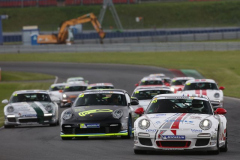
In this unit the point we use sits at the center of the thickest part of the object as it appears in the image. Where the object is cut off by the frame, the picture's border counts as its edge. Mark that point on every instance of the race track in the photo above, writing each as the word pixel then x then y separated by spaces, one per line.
pixel 44 142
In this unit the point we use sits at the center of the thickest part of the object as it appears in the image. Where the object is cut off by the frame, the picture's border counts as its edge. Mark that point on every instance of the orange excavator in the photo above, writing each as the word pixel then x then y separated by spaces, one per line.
pixel 63 34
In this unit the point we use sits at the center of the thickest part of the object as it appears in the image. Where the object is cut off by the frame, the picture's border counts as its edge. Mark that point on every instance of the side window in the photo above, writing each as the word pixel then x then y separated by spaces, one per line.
pixel 128 98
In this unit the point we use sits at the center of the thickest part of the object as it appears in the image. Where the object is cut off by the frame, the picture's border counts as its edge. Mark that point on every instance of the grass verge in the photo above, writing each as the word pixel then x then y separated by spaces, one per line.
pixel 24 76
pixel 222 66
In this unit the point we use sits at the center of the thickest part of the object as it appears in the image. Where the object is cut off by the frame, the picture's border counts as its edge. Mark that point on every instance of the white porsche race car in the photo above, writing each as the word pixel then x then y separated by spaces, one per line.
pixel 27 107
pixel 179 122
pixel 206 87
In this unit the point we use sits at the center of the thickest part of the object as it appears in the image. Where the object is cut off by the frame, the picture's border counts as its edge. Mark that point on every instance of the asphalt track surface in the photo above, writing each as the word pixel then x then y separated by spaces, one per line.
pixel 44 142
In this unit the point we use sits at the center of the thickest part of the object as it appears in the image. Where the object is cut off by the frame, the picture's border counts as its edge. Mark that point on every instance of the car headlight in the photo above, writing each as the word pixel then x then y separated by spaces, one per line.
pixel 144 124
pixel 48 108
pixel 172 89
pixel 205 124
pixel 216 95
pixel 64 96
pixel 117 113
pixel 10 109
pixel 67 115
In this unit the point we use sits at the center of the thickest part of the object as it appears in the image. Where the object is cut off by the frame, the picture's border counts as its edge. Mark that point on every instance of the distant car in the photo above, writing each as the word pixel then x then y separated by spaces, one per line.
pixel 98 113
pixel 56 90
pixel 157 75
pixel 206 87
pixel 71 91
pixel 100 86
pixel 72 79
pixel 150 81
pixel 179 122
pixel 27 107
pixel 177 83
pixel 166 81
pixel 145 94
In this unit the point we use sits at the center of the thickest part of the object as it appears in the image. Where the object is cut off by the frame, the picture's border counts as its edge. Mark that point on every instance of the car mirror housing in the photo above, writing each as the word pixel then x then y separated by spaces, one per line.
pixel 221 88
pixel 134 101
pixel 220 111
pixel 5 101
pixel 139 111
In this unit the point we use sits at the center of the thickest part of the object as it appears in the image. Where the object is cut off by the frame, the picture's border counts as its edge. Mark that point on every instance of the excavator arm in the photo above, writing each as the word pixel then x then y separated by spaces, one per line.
pixel 63 32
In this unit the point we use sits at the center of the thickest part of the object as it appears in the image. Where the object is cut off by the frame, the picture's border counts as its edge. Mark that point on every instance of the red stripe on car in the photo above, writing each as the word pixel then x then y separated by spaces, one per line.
pixel 177 121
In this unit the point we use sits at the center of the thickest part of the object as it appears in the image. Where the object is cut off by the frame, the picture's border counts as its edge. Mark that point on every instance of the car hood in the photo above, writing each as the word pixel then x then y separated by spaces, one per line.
pixel 95 112
pixel 208 92
pixel 176 120
pixel 26 108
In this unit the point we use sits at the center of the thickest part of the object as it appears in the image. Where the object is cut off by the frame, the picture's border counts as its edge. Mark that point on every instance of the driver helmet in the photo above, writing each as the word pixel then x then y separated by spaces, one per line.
pixel 197 105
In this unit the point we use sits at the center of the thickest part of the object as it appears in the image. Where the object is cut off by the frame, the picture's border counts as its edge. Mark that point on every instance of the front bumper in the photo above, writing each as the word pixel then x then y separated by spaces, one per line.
pixel 15 121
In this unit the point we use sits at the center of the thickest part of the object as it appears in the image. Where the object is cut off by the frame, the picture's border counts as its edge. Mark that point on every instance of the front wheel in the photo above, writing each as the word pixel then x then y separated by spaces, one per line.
pixel 225 147
pixel 129 135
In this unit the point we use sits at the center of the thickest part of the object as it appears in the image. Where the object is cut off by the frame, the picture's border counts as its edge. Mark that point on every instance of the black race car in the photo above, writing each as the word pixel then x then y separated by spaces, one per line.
pixel 99 113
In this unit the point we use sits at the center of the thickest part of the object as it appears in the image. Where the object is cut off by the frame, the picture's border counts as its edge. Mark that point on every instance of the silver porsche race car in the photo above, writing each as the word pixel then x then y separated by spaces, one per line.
pixel 180 122
pixel 30 107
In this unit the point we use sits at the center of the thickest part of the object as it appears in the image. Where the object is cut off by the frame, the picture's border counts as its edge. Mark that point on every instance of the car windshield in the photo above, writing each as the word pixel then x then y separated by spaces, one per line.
pixel 179 106
pixel 74 88
pixel 101 87
pixel 148 94
pixel 100 99
pixel 178 82
pixel 30 97
pixel 200 86
pixel 56 88
pixel 153 82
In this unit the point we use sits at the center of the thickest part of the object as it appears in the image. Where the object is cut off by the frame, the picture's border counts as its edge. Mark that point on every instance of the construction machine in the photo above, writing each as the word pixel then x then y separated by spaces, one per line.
pixel 64 34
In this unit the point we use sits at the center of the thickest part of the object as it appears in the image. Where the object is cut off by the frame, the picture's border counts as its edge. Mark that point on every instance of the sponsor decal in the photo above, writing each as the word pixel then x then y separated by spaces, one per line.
pixel 89 125
pixel 29 115
pixel 151 130
pixel 196 130
pixel 173 137
pixel 158 122
pixel 179 121
pixel 195 117
pixel 163 114
pixel 81 95
pixel 84 113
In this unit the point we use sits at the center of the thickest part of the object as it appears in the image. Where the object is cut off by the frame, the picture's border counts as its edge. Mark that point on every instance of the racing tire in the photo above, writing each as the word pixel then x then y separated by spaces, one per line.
pixel 218 149
pixel 129 135
pixel 54 124
pixel 225 147
pixel 9 126
pixel 66 138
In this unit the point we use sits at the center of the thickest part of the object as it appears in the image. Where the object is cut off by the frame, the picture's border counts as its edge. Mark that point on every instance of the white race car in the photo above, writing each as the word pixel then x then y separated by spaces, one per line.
pixel 150 81
pixel 206 87
pixel 100 86
pixel 144 94
pixel 177 83
pixel 179 122
pixel 27 107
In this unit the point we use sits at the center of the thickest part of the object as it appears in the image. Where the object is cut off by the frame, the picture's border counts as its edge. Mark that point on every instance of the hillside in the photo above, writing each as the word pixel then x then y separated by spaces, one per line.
pixel 155 15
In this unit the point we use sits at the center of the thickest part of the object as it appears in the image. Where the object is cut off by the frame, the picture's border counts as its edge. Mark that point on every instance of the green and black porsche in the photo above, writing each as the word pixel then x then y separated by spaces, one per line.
pixel 27 107
pixel 99 113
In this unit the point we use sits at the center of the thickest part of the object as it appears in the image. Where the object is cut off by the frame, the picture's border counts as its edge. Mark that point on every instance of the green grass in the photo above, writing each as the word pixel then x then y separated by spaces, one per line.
pixel 7 87
pixel 24 76
pixel 159 15
pixel 220 66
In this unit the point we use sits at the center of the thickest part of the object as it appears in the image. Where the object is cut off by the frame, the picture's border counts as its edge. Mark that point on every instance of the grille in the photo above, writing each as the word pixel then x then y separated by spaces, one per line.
pixel 11 119
pixel 173 144
pixel 114 129
pixel 67 130
pixel 202 142
pixel 28 120
pixel 145 141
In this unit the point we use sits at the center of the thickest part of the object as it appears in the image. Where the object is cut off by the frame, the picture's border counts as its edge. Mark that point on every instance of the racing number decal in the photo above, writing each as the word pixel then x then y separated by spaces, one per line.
pixel 84 113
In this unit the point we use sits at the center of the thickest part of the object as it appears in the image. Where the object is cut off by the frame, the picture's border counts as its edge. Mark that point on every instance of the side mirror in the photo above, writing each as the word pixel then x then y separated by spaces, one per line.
pixel 67 105
pixel 167 84
pixel 221 88
pixel 5 101
pixel 136 84
pixel 139 111
pixel 220 111
pixel 179 89
pixel 134 101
